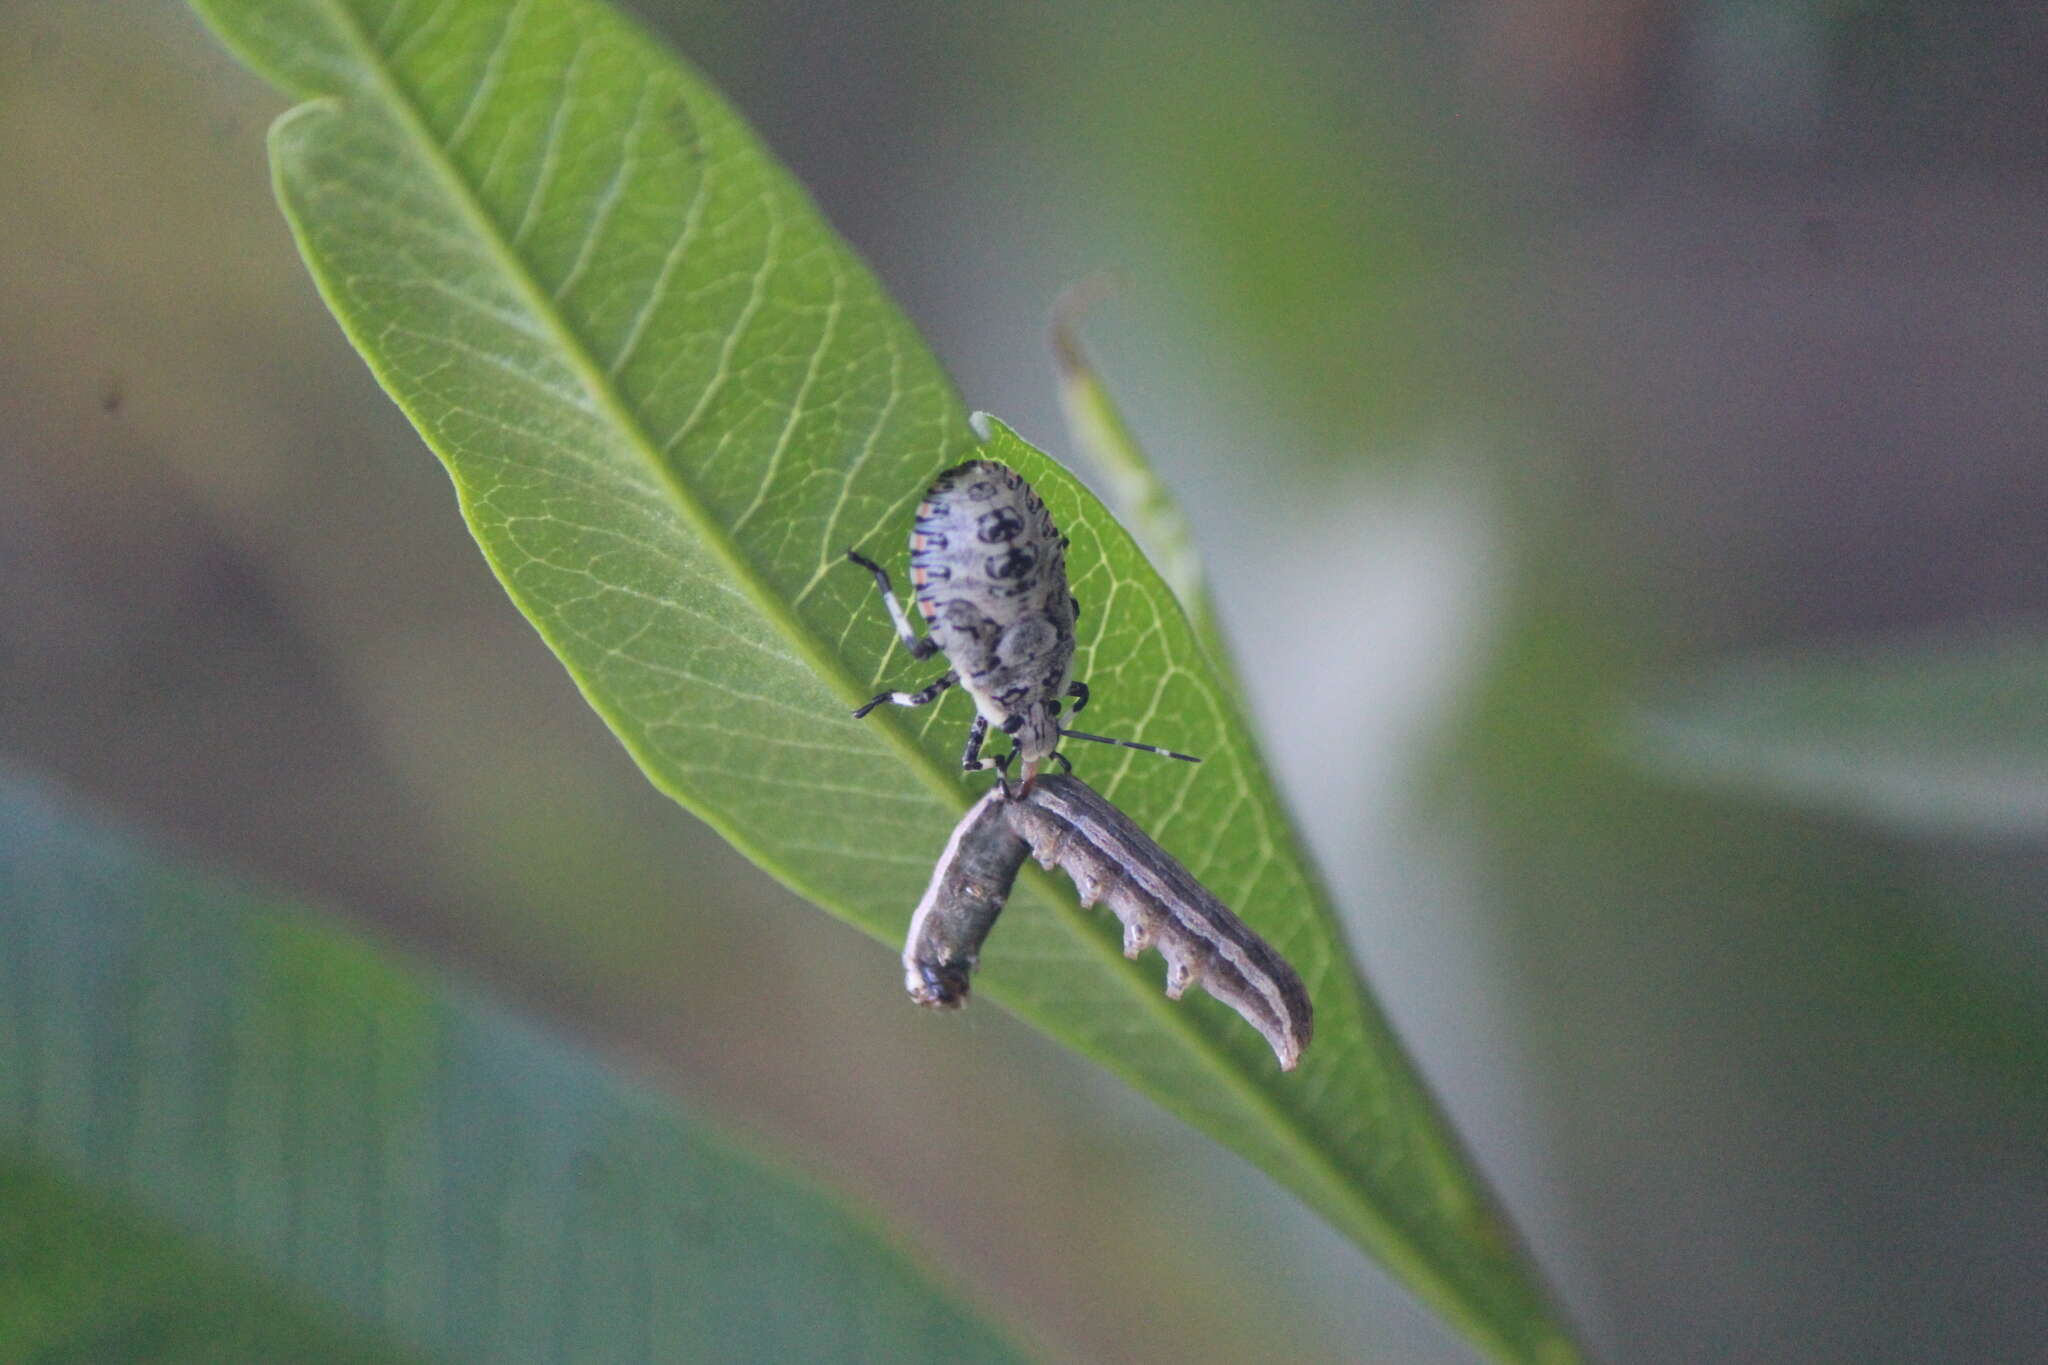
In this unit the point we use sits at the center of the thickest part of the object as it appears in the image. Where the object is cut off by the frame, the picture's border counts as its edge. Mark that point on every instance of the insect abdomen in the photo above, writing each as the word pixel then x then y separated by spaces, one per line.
pixel 982 534
pixel 985 559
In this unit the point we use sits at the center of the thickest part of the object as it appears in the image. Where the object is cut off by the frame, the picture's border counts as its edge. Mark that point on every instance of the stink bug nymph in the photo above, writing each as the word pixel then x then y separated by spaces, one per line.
pixel 988 572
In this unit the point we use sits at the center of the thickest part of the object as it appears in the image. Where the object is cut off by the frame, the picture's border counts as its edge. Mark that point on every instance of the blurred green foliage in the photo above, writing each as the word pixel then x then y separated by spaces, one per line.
pixel 1759 1076
pixel 1948 735
pixel 84 1277
pixel 1289 160
pixel 231 1129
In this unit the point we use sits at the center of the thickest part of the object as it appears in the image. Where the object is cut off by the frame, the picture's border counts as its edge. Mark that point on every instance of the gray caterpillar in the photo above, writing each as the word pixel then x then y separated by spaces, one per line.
pixel 1067 824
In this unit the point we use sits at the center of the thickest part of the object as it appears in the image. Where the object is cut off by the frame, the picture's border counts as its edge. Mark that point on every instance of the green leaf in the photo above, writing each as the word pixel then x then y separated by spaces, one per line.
pixel 670 400
pixel 88 1278
pixel 229 1132
pixel 1946 735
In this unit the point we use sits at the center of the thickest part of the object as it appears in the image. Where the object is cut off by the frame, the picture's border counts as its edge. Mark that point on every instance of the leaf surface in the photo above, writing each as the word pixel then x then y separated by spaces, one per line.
pixel 670 400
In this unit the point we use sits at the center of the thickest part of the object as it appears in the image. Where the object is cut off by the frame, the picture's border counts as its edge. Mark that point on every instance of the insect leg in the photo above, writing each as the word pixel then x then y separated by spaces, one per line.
pixel 920 646
pixel 1079 692
pixel 928 693
pixel 970 758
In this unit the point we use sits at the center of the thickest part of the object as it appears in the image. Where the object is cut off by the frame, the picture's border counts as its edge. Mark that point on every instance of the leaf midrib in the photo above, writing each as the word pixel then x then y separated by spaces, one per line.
pixel 1421 1267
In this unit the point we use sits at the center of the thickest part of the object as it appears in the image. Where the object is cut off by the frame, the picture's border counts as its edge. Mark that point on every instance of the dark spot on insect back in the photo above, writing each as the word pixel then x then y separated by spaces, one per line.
pixel 981 490
pixel 1013 563
pixel 965 617
pixel 999 526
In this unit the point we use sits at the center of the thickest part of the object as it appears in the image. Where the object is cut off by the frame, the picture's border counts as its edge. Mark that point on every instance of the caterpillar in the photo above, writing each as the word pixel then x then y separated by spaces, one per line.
pixel 1066 824
pixel 969 886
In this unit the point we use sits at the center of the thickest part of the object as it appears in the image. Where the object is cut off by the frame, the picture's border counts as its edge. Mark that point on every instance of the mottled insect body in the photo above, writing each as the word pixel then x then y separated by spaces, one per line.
pixel 1065 823
pixel 988 573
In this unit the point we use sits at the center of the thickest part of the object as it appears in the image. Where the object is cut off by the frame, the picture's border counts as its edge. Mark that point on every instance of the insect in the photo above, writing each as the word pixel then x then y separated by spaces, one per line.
pixel 1065 823
pixel 988 572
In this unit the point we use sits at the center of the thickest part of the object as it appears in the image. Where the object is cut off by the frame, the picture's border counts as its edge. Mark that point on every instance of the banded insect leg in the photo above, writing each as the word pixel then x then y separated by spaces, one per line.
pixel 920 646
pixel 973 760
pixel 1001 763
pixel 970 757
pixel 924 695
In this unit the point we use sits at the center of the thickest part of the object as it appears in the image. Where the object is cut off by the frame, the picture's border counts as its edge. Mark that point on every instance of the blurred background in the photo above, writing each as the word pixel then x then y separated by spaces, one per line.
pixel 1515 364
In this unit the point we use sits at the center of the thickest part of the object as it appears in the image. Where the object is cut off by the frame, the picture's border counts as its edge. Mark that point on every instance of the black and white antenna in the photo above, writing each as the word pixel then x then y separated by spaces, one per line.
pixel 1128 744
